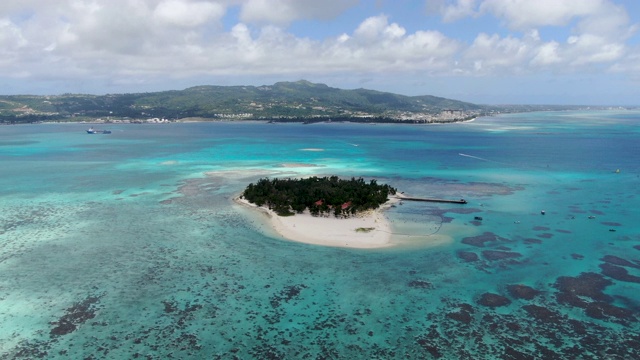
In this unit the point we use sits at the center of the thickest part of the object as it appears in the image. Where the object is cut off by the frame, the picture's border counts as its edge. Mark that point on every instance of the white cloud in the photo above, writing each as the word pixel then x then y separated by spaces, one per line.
pixel 282 12
pixel 527 14
pixel 496 53
pixel 588 49
pixel 461 9
pixel 10 35
pixel 599 29
pixel 546 54
pixel 144 40
pixel 11 42
pixel 378 27
pixel 188 14
pixel 377 45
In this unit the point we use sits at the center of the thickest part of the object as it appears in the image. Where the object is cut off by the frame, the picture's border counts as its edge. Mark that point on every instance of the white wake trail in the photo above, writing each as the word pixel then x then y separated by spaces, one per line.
pixel 488 160
pixel 475 157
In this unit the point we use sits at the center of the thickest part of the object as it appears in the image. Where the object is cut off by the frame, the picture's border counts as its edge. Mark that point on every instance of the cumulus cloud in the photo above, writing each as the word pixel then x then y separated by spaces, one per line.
pixel 188 14
pixel 378 27
pixel 132 41
pixel 378 45
pixel 599 29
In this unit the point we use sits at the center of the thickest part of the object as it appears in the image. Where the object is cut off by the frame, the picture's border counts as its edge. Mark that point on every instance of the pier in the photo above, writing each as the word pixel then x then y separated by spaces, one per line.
pixel 461 201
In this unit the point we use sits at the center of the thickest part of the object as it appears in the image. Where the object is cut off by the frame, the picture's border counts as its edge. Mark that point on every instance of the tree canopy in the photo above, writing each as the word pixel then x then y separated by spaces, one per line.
pixel 319 195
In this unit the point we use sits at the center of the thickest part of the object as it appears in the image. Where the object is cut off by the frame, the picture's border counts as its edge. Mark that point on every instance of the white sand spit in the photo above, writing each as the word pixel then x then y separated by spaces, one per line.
pixel 364 231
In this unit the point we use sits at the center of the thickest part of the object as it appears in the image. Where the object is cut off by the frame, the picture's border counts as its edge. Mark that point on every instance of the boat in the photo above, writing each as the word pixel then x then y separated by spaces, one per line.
pixel 96 131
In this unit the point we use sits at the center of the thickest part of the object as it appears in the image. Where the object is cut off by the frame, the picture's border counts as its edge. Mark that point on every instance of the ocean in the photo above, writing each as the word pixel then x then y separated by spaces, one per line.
pixel 128 245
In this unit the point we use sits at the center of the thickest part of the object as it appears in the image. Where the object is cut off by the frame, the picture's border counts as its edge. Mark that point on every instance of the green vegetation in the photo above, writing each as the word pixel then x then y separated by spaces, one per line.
pixel 319 195
pixel 283 101
pixel 300 101
pixel 365 230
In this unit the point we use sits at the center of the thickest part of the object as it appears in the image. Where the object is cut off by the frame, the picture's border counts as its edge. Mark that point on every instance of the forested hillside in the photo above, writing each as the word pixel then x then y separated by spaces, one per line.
pixel 301 100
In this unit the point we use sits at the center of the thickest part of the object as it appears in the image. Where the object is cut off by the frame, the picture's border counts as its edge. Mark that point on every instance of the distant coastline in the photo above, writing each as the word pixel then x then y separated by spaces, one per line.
pixel 302 120
pixel 297 102
pixel 305 121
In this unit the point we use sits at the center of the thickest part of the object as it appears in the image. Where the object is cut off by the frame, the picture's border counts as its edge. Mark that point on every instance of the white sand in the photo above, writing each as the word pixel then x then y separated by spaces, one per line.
pixel 330 231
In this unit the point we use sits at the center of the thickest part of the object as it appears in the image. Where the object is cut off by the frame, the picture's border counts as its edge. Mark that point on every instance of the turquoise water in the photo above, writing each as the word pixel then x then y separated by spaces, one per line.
pixel 128 246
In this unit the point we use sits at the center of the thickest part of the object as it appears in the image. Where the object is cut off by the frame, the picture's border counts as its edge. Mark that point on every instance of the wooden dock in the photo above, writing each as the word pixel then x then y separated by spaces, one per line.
pixel 461 201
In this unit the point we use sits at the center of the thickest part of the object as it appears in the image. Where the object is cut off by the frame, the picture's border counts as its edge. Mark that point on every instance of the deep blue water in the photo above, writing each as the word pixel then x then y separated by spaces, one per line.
pixel 128 245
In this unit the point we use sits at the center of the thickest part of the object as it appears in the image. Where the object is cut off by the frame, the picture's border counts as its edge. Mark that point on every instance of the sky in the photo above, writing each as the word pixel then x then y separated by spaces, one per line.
pixel 579 52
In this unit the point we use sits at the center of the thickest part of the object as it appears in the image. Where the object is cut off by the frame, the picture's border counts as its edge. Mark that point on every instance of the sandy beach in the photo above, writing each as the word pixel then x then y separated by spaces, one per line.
pixel 365 231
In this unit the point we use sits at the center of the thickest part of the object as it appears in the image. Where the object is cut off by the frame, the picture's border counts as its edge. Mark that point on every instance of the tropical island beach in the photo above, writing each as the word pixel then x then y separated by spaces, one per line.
pixel 324 211
pixel 368 230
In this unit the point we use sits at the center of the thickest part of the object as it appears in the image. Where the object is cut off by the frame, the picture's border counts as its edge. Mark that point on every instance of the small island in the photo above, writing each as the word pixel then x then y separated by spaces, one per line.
pixel 320 196
pixel 324 211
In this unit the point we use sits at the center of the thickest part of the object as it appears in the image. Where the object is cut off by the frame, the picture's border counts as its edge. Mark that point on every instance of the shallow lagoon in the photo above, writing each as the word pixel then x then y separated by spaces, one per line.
pixel 121 245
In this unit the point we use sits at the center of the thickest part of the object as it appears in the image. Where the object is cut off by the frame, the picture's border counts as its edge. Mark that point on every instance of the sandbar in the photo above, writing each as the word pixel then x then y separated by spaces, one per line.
pixel 367 230
pixel 296 165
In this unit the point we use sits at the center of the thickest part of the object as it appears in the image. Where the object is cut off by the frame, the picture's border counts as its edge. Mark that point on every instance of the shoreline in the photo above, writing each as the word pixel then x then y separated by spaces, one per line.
pixel 191 120
pixel 375 229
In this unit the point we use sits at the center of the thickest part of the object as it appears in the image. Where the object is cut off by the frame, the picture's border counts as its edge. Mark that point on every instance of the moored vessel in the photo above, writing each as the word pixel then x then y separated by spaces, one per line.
pixel 96 131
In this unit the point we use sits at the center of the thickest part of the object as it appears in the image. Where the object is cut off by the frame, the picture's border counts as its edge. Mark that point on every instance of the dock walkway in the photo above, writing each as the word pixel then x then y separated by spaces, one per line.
pixel 408 198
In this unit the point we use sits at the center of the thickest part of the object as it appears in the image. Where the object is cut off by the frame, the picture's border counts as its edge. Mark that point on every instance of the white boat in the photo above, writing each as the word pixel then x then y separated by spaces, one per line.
pixel 96 131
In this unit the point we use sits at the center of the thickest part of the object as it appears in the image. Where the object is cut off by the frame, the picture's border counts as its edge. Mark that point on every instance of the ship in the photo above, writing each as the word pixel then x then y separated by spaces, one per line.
pixel 96 131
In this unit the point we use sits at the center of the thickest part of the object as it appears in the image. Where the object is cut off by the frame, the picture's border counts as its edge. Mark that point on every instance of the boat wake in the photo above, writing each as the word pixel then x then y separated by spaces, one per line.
pixel 475 157
pixel 488 160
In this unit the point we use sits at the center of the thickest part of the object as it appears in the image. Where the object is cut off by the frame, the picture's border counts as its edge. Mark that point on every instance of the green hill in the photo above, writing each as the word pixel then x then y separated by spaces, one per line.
pixel 282 101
